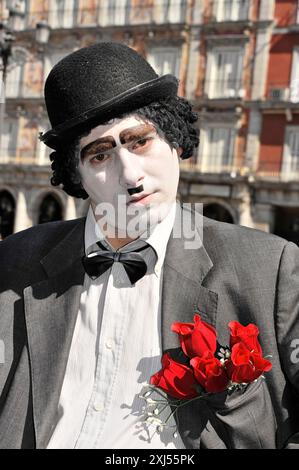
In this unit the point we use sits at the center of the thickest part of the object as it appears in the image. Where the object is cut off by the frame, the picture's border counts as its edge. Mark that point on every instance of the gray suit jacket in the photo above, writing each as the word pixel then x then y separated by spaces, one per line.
pixel 238 274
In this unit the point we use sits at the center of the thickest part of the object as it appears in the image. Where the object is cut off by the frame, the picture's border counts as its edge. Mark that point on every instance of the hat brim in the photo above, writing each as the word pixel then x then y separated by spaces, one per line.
pixel 130 100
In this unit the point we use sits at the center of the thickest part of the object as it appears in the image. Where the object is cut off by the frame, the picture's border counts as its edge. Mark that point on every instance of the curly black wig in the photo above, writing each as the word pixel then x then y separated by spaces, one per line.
pixel 173 117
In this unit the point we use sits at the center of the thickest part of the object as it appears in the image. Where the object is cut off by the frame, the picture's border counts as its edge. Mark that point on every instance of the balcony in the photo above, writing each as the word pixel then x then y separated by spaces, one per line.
pixel 282 92
pixel 227 14
pixel 113 13
pixel 226 170
pixel 21 89
pixel 16 158
pixel 285 171
pixel 223 89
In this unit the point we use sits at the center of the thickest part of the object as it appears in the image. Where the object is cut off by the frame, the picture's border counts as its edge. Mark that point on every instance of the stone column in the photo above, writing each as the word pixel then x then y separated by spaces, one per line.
pixel 253 139
pixel 245 217
pixel 193 63
pixel 22 220
pixel 70 210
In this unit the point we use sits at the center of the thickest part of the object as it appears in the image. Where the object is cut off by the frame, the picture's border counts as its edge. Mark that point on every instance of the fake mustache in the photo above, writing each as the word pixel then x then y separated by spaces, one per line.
pixel 135 190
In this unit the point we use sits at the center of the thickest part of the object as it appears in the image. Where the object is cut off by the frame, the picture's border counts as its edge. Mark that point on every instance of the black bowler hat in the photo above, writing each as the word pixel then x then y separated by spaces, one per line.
pixel 96 83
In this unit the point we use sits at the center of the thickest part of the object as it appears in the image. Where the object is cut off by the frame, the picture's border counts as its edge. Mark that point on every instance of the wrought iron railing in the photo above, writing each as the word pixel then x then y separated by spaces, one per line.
pixel 224 88
pixel 111 14
pixel 267 171
pixel 227 10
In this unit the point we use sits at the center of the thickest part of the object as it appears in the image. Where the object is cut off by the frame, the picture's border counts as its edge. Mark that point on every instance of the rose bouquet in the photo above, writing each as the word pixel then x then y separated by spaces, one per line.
pixel 203 373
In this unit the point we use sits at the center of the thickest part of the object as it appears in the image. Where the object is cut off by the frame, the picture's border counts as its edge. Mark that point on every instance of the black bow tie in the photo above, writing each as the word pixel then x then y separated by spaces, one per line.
pixel 100 262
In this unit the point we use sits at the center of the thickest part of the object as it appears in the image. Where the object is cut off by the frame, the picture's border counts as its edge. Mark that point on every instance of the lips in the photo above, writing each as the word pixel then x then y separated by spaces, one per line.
pixel 139 198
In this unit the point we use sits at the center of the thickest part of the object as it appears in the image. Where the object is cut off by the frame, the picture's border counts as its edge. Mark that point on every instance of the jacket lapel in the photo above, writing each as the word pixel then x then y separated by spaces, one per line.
pixel 51 308
pixel 183 293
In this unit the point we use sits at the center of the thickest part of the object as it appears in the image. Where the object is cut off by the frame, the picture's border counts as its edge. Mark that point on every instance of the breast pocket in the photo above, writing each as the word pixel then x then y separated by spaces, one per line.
pixel 242 420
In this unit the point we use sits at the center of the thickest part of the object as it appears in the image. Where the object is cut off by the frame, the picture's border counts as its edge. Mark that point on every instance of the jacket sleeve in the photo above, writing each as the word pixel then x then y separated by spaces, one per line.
pixel 287 319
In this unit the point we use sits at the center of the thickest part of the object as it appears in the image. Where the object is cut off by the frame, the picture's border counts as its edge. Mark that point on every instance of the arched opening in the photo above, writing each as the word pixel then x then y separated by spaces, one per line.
pixel 287 223
pixel 50 210
pixel 217 212
pixel 7 214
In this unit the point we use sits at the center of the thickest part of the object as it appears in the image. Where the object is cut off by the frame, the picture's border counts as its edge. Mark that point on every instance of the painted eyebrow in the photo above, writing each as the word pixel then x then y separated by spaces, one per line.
pixel 104 144
pixel 100 145
pixel 128 135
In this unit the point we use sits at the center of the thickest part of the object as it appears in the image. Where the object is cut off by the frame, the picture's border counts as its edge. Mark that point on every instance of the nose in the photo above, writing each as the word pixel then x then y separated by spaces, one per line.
pixel 130 171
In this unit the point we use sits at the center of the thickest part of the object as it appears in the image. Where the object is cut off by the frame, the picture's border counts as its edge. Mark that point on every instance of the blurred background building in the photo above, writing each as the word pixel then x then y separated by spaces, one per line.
pixel 238 63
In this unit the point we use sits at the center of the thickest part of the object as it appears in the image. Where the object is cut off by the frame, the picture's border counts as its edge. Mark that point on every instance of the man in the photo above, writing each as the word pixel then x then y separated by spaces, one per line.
pixel 87 305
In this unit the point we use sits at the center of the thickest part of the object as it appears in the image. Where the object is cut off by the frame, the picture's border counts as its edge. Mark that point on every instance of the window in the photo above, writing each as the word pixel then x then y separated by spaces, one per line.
pixel 294 85
pixel 14 80
pixel 290 163
pixel 62 13
pixel 9 140
pixel 114 12
pixel 33 79
pixel 27 142
pixel 36 11
pixel 165 60
pixel 217 148
pixel 169 11
pixel 231 10
pixel 17 20
pixel 224 73
pixel 87 12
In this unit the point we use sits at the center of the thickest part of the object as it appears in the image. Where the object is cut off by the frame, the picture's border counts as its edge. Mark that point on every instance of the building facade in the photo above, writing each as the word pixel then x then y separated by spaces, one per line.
pixel 237 61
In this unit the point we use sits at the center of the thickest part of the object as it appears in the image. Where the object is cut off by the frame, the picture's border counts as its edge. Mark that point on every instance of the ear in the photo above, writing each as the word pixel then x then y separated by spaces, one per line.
pixel 179 151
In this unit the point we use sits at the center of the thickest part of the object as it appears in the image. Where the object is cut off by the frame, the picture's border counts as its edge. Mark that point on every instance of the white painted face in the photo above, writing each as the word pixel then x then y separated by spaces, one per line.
pixel 124 154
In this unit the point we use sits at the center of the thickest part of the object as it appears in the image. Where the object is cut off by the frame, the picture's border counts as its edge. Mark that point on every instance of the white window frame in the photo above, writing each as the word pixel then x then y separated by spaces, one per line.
pixel 157 57
pixel 209 159
pixel 235 7
pixel 290 163
pixel 294 85
pixel 215 86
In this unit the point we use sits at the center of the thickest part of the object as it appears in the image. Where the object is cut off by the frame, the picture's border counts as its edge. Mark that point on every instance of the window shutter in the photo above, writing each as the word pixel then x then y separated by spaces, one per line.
pixel 291 152
pixel 217 148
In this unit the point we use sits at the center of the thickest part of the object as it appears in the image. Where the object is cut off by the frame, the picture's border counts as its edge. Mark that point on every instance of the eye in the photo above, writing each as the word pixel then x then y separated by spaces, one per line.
pixel 144 142
pixel 100 157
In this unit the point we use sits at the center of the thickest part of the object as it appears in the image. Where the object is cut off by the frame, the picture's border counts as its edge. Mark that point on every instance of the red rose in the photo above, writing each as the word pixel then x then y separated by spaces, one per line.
pixel 175 379
pixel 196 338
pixel 210 373
pixel 245 366
pixel 246 335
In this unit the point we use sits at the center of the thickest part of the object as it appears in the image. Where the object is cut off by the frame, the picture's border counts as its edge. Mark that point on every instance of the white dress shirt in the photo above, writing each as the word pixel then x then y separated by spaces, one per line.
pixel 115 349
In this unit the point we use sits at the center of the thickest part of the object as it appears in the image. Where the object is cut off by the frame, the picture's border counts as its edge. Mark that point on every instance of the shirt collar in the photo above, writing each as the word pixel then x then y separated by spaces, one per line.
pixel 158 238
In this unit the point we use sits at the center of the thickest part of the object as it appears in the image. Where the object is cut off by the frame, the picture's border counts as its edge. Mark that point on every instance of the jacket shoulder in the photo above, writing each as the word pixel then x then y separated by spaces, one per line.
pixel 22 249
pixel 241 234
pixel 243 247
